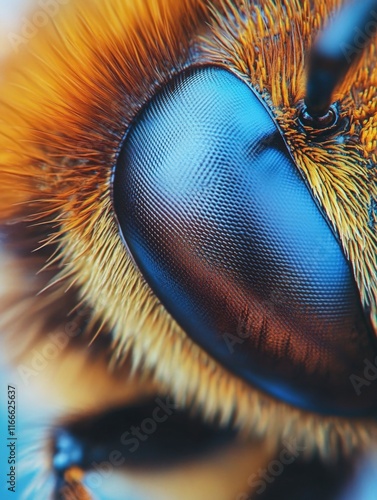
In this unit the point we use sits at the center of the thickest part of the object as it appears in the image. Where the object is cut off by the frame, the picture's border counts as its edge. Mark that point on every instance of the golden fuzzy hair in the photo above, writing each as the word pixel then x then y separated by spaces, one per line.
pixel 66 101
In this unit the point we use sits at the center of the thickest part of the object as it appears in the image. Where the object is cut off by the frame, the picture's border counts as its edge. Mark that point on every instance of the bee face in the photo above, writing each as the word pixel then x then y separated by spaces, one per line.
pixel 182 200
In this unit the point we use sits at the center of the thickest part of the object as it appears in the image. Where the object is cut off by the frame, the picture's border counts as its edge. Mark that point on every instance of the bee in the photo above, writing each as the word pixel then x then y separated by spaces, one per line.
pixel 189 220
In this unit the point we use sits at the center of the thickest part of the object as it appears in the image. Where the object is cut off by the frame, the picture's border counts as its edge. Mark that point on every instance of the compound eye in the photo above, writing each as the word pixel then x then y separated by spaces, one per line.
pixel 223 228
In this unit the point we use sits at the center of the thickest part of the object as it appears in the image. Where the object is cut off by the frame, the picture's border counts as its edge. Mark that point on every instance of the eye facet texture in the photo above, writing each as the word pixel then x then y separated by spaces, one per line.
pixel 222 226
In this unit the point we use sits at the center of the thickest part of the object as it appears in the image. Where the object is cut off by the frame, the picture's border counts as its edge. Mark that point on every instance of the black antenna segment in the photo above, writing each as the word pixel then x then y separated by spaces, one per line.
pixel 337 48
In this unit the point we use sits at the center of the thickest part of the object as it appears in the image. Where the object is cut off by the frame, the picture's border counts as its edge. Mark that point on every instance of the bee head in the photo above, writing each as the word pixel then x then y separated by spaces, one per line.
pixel 216 217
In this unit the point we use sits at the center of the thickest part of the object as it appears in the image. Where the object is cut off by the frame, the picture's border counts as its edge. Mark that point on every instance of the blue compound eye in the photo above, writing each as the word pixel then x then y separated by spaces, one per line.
pixel 225 231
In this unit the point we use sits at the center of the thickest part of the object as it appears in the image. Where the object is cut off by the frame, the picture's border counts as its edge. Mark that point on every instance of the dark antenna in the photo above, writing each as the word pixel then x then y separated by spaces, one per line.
pixel 338 47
